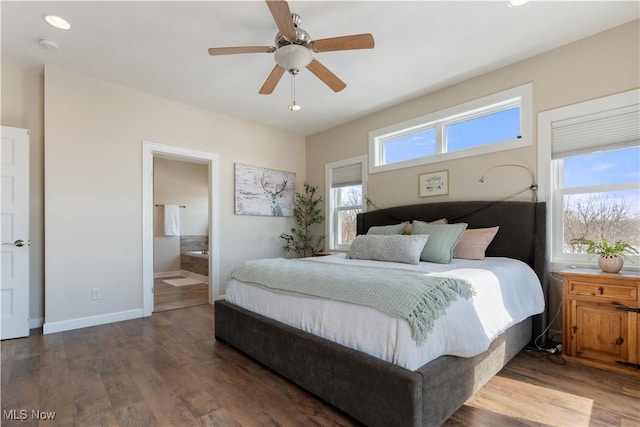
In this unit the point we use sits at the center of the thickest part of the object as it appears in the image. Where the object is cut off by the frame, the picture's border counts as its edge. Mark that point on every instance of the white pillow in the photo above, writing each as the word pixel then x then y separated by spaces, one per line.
pixel 393 248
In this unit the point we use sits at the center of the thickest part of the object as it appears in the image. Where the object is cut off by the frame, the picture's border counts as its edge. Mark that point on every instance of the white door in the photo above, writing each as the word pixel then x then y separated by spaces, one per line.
pixel 14 269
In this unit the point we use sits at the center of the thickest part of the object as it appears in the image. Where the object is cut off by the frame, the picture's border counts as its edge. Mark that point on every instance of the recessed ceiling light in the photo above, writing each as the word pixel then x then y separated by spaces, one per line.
pixel 49 44
pixel 56 21
pixel 516 3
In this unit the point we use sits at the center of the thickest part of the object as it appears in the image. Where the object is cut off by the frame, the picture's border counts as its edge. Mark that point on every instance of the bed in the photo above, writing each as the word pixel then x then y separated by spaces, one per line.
pixel 377 392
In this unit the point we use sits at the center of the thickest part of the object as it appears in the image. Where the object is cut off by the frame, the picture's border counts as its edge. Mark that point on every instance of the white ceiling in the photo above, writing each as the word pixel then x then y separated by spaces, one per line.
pixel 160 47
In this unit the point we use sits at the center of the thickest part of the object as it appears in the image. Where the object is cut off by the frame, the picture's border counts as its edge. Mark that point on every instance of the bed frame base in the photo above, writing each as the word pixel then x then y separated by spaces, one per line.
pixel 370 390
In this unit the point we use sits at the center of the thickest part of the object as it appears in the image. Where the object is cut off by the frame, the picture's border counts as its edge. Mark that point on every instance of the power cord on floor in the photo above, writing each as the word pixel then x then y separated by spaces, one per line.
pixel 554 354
pixel 550 349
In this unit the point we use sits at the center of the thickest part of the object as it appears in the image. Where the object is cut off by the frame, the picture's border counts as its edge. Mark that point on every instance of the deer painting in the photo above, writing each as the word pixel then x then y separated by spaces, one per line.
pixel 276 210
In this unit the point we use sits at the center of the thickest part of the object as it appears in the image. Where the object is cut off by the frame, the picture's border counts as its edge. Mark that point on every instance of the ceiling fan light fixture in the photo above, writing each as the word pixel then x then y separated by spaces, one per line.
pixel 293 106
pixel 293 57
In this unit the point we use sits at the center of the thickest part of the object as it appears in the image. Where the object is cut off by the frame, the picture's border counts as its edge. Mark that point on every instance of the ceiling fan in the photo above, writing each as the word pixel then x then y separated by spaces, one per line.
pixel 294 49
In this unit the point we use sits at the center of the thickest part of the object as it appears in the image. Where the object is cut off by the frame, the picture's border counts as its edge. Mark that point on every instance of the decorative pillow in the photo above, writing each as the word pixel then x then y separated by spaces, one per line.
pixel 393 248
pixel 442 240
pixel 439 221
pixel 473 243
pixel 387 230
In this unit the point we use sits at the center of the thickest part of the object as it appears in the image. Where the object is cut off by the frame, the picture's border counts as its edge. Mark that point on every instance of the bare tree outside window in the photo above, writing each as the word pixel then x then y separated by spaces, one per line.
pixel 349 206
pixel 600 216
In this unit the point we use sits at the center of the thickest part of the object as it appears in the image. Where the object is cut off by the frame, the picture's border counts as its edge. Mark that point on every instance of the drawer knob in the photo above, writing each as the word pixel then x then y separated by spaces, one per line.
pixel 619 341
pixel 601 289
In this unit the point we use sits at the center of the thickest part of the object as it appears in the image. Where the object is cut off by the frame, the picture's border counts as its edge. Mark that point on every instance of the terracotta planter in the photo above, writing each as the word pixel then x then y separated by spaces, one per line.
pixel 610 263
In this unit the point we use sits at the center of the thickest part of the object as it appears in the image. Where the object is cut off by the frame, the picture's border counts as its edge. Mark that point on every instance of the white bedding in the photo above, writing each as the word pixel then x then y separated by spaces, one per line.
pixel 507 292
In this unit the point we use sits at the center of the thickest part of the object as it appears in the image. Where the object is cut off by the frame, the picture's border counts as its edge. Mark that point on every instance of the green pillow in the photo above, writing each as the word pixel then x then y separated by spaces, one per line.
pixel 388 230
pixel 442 239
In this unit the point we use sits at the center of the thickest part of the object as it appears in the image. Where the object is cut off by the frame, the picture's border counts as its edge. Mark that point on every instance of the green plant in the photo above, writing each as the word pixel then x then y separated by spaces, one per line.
pixel 603 247
pixel 306 213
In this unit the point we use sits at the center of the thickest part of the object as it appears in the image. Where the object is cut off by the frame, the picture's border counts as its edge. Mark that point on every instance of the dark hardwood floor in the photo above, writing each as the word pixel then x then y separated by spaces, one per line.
pixel 168 370
pixel 167 297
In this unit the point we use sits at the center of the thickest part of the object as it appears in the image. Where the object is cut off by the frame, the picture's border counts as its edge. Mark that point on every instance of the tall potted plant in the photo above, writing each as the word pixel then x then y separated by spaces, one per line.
pixel 611 257
pixel 306 212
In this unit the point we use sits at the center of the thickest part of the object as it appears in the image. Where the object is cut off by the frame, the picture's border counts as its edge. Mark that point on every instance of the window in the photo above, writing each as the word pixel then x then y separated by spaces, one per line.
pixel 497 122
pixel 594 157
pixel 346 193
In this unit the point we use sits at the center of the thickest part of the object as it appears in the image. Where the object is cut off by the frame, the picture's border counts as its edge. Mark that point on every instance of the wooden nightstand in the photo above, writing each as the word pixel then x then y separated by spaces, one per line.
pixel 601 324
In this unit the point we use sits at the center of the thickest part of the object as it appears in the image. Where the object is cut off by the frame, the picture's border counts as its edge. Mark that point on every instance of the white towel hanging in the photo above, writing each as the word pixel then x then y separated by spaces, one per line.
pixel 171 220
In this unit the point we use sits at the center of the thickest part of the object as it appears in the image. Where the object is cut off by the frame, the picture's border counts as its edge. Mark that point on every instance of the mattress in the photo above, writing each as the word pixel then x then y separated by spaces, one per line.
pixel 507 291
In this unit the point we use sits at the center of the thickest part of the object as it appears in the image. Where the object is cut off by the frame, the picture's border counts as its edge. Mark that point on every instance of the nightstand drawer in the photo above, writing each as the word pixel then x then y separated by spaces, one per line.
pixel 603 291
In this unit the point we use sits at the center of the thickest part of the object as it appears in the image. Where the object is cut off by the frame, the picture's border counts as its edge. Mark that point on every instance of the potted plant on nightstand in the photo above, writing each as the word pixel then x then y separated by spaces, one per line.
pixel 611 257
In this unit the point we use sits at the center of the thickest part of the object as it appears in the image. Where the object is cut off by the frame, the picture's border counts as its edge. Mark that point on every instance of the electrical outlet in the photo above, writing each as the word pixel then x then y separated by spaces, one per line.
pixel 96 293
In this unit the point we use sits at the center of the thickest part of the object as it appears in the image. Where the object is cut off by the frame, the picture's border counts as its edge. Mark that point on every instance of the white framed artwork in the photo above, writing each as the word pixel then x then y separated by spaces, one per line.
pixel 434 183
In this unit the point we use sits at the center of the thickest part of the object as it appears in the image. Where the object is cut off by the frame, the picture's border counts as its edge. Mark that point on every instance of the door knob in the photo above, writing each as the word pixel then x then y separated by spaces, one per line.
pixel 19 243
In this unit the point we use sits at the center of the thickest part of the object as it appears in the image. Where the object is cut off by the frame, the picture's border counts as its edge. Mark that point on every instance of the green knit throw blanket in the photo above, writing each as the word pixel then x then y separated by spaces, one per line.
pixel 419 298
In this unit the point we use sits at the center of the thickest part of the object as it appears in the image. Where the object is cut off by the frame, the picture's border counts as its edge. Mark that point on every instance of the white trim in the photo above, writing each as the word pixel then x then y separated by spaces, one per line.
pixel 149 150
pixel 466 111
pixel 36 323
pixel 85 322
pixel 328 167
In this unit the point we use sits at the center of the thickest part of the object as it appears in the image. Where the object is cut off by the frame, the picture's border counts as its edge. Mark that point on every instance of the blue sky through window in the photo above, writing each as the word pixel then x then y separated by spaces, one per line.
pixel 469 133
pixel 488 129
pixel 609 167
pixel 410 147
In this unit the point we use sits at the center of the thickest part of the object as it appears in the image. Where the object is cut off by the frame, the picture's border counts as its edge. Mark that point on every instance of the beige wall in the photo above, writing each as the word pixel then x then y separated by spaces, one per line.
pixel 93 196
pixel 22 107
pixel 600 65
pixel 178 183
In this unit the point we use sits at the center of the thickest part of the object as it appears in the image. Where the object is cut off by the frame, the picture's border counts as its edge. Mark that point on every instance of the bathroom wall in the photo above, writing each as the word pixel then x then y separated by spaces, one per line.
pixel 178 183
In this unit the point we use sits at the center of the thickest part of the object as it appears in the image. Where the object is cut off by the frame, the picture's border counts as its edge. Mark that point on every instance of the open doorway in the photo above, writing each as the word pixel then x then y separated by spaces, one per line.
pixel 195 236
pixel 180 233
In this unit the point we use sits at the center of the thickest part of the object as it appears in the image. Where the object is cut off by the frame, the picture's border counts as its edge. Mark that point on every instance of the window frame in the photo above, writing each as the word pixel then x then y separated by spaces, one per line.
pixel 550 178
pixel 331 210
pixel 558 193
pixel 520 96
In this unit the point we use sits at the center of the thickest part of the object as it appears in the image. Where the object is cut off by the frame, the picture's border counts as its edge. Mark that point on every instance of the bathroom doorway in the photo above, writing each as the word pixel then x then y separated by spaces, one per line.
pixel 180 239
pixel 180 233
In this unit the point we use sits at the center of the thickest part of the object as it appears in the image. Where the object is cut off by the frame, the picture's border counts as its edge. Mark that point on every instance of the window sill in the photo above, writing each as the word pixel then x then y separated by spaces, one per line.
pixel 557 266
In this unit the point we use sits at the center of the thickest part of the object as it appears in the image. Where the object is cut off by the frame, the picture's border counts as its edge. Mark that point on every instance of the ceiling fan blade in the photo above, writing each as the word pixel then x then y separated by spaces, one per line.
pixel 282 15
pixel 243 49
pixel 357 41
pixel 271 82
pixel 326 76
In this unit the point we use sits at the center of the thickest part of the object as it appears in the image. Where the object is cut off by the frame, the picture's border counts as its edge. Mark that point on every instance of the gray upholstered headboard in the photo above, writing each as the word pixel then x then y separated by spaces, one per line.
pixel 522 233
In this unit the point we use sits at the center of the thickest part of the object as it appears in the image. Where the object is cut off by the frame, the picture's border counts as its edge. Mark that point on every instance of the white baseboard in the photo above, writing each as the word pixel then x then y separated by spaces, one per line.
pixel 166 274
pixel 85 322
pixel 196 276
pixel 36 323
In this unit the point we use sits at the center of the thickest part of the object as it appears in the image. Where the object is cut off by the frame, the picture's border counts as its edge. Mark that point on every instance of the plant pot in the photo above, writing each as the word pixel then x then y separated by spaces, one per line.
pixel 610 263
